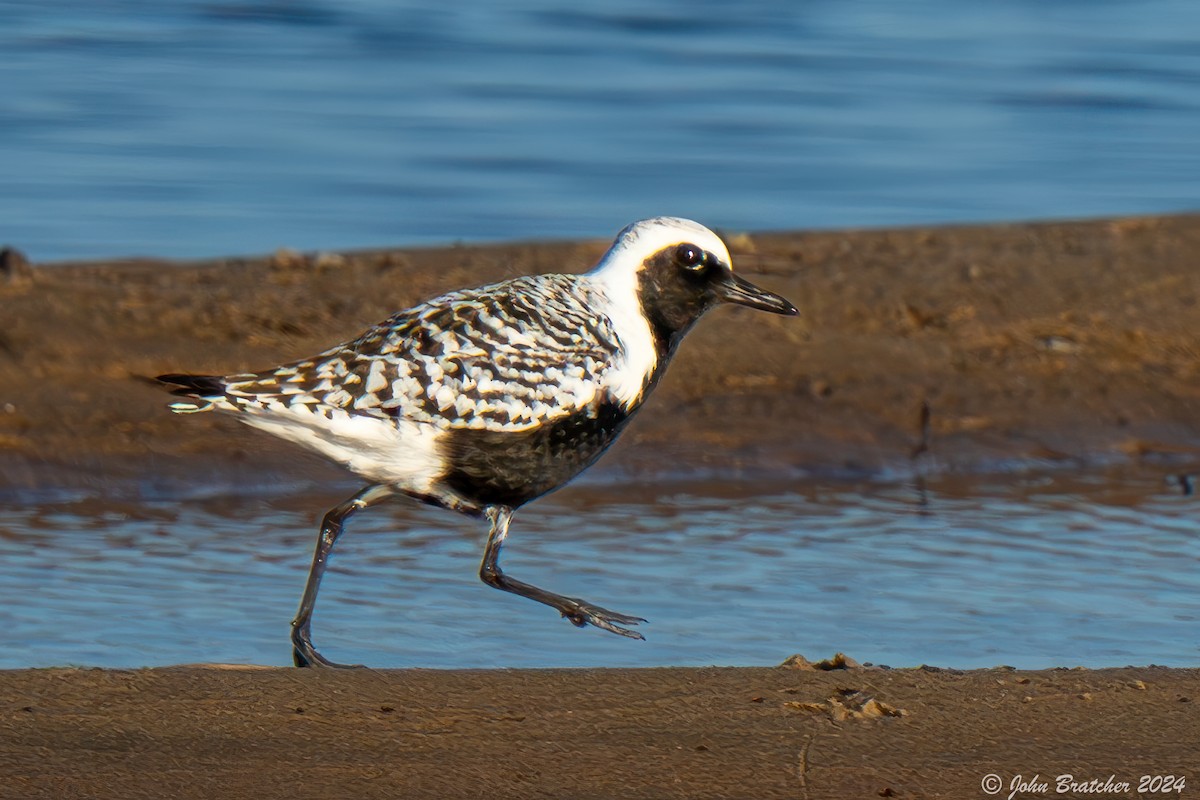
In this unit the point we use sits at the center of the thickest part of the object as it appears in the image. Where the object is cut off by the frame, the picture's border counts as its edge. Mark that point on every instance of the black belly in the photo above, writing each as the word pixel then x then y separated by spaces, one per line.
pixel 497 468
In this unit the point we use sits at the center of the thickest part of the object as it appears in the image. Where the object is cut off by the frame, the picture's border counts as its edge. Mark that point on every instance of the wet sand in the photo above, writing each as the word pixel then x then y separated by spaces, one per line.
pixel 655 733
pixel 1068 344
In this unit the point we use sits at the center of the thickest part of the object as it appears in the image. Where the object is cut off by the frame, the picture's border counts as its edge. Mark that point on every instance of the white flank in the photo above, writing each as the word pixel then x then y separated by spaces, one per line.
pixel 617 278
pixel 401 454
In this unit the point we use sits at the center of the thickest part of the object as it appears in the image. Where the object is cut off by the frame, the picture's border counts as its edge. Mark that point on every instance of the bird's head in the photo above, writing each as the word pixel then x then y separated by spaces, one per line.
pixel 678 269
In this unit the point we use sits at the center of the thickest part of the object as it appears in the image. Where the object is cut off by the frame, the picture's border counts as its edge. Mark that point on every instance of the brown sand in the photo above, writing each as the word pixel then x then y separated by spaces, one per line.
pixel 646 733
pixel 1071 343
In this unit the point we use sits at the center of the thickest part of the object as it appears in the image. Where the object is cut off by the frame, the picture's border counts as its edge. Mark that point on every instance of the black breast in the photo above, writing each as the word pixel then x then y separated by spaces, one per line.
pixel 512 468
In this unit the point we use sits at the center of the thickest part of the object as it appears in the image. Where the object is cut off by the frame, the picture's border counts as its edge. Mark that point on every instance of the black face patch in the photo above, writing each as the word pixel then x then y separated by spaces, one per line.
pixel 676 286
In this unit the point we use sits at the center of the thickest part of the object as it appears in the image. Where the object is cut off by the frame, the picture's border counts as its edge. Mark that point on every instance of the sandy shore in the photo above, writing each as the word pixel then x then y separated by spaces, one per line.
pixel 1071 343
pixel 661 733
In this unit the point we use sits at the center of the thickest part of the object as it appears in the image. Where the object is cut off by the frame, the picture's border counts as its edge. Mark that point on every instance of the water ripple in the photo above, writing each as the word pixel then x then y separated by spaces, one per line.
pixel 1063 571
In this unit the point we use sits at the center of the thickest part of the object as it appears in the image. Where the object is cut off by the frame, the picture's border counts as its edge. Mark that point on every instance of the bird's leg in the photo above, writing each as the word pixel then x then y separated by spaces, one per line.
pixel 303 652
pixel 579 612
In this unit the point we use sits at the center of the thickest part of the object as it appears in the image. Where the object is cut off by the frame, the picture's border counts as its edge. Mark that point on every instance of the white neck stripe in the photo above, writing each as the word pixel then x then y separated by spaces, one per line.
pixel 617 278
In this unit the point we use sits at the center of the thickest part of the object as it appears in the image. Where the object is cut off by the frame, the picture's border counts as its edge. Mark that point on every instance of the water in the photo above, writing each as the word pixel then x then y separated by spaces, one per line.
pixel 211 128
pixel 1028 571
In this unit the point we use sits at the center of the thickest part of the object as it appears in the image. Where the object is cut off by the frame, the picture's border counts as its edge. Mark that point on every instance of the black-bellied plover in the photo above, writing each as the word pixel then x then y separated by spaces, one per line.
pixel 481 400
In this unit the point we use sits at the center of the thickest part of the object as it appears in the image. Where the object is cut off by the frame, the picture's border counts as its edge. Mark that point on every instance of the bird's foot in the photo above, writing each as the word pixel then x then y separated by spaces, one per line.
pixel 305 655
pixel 582 614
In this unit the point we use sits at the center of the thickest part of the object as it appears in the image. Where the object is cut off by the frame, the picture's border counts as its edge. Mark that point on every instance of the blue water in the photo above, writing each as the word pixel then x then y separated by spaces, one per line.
pixel 1027 571
pixel 191 128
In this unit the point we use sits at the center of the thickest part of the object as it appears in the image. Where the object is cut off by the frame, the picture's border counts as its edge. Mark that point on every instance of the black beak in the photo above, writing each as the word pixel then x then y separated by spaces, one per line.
pixel 735 289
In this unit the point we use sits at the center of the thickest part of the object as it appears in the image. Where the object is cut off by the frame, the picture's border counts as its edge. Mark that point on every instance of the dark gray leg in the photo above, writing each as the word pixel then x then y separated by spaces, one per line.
pixel 303 652
pixel 577 611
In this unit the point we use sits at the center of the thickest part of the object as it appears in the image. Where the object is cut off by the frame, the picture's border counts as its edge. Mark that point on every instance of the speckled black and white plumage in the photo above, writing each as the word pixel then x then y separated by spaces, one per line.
pixel 483 399
pixel 401 402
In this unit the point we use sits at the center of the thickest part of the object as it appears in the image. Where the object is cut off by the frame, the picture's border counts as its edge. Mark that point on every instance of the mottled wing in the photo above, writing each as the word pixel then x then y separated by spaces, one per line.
pixel 504 357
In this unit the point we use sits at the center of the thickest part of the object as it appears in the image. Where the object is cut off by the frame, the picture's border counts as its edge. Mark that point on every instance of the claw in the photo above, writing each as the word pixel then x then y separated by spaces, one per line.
pixel 583 614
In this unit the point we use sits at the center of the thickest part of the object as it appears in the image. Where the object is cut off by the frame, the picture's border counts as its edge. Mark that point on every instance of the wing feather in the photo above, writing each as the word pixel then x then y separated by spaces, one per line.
pixel 504 357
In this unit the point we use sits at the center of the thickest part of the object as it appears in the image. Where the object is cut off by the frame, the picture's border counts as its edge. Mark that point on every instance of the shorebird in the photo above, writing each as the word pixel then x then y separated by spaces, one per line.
pixel 481 400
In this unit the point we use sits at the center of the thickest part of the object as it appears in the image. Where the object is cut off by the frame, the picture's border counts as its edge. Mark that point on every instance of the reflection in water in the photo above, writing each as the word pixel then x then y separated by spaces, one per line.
pixel 1032 572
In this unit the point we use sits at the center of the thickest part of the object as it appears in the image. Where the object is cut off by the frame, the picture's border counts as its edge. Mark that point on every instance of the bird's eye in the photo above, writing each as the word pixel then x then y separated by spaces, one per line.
pixel 691 257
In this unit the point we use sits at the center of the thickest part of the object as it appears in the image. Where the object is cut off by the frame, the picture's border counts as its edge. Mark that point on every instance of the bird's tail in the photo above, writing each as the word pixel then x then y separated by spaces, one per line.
pixel 203 391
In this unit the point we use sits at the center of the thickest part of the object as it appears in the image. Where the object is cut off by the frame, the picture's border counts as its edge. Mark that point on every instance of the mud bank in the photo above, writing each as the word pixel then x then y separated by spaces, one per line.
pixel 1060 342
